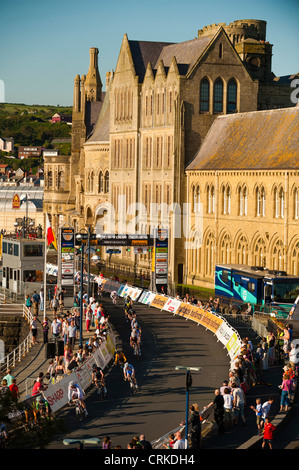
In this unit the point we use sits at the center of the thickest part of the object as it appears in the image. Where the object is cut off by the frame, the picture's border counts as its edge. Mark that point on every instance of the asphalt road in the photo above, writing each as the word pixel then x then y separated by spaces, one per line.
pixel 160 404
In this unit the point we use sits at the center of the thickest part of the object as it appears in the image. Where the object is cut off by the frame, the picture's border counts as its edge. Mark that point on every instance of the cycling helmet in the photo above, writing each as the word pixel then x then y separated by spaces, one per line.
pixel 94 366
pixel 39 398
pixel 126 364
pixel 72 383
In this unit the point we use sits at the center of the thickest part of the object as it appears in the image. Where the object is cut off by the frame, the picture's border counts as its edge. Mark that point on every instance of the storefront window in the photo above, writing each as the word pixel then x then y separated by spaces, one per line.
pixel 33 250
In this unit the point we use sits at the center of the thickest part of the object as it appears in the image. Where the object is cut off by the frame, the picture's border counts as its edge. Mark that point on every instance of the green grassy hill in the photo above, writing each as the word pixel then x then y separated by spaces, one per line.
pixel 30 125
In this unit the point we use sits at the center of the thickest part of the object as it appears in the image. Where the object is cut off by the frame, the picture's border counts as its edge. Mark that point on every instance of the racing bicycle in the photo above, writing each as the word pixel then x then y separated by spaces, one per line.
pixel 137 349
pixel 101 389
pixel 79 409
pixel 133 385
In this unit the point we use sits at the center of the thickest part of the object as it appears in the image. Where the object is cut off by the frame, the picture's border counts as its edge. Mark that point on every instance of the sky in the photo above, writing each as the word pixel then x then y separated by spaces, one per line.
pixel 45 44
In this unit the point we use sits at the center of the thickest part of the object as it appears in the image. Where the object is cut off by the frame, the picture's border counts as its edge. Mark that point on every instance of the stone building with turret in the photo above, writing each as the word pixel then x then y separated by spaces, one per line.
pixel 137 139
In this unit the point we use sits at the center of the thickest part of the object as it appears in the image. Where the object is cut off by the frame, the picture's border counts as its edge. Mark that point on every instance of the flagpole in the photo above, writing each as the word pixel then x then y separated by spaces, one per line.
pixel 45 266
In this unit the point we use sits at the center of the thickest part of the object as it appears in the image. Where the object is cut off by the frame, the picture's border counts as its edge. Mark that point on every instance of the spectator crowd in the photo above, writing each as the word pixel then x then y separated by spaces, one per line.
pixel 229 403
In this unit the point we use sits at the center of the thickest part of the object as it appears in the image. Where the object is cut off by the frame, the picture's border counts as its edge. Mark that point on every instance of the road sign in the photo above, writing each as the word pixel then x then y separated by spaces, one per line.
pixel 161 259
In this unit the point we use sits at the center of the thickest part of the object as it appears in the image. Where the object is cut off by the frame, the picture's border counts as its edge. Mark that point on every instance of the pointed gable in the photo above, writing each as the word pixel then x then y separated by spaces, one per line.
pixel 144 52
pixel 186 53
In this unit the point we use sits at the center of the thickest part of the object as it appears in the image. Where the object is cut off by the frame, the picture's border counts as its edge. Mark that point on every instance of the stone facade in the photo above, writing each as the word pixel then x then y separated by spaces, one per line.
pixel 138 138
pixel 245 208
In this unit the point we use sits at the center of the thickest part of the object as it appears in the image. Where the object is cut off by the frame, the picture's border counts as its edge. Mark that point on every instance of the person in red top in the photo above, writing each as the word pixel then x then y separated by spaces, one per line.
pixel 269 429
pixel 14 390
pixel 38 387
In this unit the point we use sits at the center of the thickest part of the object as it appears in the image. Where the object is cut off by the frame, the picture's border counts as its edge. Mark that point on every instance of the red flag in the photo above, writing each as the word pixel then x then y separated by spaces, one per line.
pixel 51 239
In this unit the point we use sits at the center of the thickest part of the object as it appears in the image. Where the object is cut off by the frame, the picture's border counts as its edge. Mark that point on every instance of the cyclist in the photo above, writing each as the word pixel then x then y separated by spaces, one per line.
pixel 138 332
pixel 75 393
pixel 128 307
pixel 133 318
pixel 98 377
pixel 42 407
pixel 133 339
pixel 129 373
pixel 31 414
pixel 113 296
pixel 120 358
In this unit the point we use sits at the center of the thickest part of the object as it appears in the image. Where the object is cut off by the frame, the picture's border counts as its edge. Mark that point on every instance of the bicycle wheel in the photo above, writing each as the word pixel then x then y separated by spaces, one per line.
pixel 101 393
pixel 79 412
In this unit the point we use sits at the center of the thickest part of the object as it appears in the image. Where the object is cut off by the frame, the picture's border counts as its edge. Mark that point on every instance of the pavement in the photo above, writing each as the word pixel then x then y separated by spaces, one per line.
pixel 235 437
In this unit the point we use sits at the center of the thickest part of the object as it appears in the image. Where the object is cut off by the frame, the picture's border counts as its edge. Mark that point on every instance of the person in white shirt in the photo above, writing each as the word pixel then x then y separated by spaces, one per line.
pixel 75 392
pixel 239 403
pixel 228 407
pixel 266 408
pixel 294 355
pixel 180 443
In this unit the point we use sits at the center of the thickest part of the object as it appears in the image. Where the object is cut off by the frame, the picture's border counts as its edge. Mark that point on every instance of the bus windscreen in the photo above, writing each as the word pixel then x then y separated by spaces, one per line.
pixel 286 290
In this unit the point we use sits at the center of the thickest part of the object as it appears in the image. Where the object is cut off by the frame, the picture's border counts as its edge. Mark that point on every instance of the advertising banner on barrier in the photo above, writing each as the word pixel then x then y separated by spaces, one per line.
pixel 110 345
pixel 210 321
pixel 124 291
pixel 120 289
pixel 196 314
pixel 105 353
pixel 159 301
pixel 224 333
pixel 57 394
pixel 233 346
pixel 144 293
pixel 99 359
pixel 111 286
pixel 148 298
pixel 99 280
pixel 136 293
pixel 132 292
pixel 172 305
pixel 185 309
pixel 102 283
pixel 84 374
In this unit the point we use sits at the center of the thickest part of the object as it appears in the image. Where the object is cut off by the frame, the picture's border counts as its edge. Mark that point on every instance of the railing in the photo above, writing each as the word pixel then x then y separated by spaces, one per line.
pixel 205 425
pixel 16 355
pixel 7 296
pixel 238 320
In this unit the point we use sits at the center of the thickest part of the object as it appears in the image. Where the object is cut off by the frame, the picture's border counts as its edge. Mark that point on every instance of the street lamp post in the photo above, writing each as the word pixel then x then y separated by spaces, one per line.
pixel 88 265
pixel 81 296
pixel 188 385
pixel 84 235
pixel 79 237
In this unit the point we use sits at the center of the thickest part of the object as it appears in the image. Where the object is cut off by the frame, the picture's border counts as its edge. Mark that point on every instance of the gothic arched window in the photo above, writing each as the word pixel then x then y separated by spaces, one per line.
pixel 101 182
pixel 232 96
pixel 204 96
pixel 106 182
pixel 218 96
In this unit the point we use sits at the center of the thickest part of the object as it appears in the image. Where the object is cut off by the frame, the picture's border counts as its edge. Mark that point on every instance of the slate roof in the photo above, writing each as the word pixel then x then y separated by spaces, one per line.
pixel 255 140
pixel 186 53
pixel 144 52
pixel 102 126
pixel 92 112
